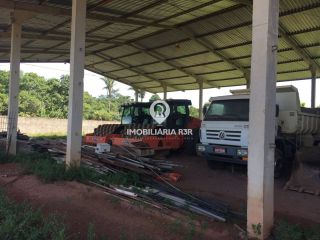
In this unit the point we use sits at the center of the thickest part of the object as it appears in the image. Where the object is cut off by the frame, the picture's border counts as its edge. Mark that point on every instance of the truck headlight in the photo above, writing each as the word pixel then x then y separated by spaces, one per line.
pixel 201 148
pixel 242 152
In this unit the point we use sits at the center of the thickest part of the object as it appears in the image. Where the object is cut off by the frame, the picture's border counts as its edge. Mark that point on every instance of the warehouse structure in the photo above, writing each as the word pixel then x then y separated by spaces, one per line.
pixel 172 45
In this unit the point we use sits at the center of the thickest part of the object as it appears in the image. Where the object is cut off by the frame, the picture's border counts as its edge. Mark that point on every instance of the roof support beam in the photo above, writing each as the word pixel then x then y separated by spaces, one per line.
pixel 32 36
pixel 160 58
pixel 212 49
pixel 43 9
pixel 301 52
pixel 125 65
pixel 290 39
pixel 109 75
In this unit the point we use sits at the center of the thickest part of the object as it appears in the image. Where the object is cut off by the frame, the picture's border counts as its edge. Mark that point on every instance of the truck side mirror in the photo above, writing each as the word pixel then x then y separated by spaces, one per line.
pixel 277 110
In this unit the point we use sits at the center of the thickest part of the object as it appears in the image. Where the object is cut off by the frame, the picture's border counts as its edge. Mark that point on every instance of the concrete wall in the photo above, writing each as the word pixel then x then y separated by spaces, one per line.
pixel 46 126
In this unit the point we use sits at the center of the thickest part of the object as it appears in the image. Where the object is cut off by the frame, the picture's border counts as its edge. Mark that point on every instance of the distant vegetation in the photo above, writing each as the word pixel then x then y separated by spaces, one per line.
pixel 40 97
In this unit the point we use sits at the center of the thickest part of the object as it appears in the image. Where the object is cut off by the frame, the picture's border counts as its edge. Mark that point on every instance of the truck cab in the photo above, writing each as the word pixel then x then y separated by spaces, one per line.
pixel 225 128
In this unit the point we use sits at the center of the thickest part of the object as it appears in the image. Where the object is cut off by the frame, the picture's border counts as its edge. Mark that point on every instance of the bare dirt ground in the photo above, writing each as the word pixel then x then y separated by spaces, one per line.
pixel 81 205
pixel 231 187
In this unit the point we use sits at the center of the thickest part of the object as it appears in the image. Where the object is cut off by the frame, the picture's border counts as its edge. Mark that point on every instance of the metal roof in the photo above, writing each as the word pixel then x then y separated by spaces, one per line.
pixel 150 43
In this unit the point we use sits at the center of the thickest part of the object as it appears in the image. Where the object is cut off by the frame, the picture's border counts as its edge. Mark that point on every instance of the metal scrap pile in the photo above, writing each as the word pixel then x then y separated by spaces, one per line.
pixel 155 177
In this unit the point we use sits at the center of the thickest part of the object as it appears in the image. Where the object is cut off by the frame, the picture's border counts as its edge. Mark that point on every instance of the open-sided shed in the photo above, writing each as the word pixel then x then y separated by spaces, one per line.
pixel 171 45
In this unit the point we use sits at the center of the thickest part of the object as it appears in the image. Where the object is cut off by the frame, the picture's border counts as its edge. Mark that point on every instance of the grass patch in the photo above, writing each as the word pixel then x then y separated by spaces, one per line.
pixel 20 221
pixel 47 169
pixel 53 136
pixel 286 231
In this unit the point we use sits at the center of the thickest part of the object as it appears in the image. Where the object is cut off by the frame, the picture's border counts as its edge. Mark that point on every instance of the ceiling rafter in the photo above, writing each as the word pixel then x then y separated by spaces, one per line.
pixel 212 49
pixel 284 13
pixel 95 70
pixel 159 21
pixel 291 41
pixel 130 14
pixel 160 58
pixel 44 9
pixel 140 72
pixel 300 51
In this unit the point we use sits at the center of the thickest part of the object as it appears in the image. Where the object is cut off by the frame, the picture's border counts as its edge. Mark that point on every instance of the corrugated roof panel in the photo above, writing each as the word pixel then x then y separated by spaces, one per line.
pixel 237 36
pixel 43 44
pixel 180 80
pixel 107 66
pixel 127 6
pixel 222 75
pixel 155 67
pixel 114 30
pixel 197 59
pixel 138 59
pixel 294 75
pixel 224 20
pixel 167 74
pixel 310 37
pixel 43 22
pixel 136 34
pixel 120 51
pixel 299 65
pixel 137 79
pixel 181 49
pixel 237 51
pixel 160 39
pixel 210 68
pixel 299 21
pixel 218 28
pixel 233 82
pixel 124 73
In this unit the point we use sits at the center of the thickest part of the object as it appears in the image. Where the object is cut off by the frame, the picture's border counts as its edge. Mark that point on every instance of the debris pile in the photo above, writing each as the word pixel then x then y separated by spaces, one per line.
pixel 155 186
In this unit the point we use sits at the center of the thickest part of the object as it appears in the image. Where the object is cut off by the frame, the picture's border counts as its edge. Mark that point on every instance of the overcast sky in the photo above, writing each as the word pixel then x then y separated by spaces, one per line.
pixel 94 85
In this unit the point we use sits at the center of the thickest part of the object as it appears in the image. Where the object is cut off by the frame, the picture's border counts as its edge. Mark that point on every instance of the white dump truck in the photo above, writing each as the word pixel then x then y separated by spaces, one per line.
pixel 225 129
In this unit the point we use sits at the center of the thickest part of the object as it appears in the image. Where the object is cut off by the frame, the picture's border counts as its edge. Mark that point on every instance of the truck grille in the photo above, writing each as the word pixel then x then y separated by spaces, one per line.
pixel 227 135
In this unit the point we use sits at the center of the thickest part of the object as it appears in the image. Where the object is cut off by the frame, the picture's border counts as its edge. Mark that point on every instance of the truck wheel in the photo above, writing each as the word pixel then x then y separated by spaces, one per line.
pixel 278 163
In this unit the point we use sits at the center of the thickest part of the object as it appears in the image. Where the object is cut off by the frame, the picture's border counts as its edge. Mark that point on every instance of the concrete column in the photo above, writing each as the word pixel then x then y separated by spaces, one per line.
pixel 77 57
pixel 262 118
pixel 164 86
pixel 136 95
pixel 247 77
pixel 14 86
pixel 313 87
pixel 200 82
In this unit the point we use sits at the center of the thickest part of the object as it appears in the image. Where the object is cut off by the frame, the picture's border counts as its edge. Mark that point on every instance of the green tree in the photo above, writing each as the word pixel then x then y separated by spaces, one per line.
pixel 49 98
pixel 154 97
pixel 110 84
pixel 194 112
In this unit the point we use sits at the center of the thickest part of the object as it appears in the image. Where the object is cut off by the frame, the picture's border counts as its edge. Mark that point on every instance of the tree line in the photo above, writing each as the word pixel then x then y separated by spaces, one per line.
pixel 40 97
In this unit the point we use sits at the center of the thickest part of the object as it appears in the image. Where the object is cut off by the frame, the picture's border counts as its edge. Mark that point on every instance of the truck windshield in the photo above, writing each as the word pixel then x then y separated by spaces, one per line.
pixel 228 110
